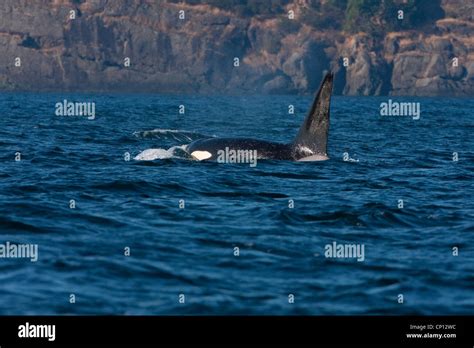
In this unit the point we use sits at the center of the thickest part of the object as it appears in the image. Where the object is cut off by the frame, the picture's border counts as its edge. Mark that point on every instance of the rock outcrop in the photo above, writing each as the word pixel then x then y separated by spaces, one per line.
pixel 46 47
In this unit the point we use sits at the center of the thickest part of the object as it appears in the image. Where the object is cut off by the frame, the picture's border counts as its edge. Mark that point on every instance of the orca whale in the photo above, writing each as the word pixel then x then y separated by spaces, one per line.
pixel 310 143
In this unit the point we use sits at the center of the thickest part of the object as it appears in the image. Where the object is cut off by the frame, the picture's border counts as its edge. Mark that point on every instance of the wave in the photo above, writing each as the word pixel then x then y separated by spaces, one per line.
pixel 170 134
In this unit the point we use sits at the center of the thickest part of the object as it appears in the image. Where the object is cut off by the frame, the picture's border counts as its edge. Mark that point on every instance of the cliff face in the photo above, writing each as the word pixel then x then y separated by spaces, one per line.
pixel 198 54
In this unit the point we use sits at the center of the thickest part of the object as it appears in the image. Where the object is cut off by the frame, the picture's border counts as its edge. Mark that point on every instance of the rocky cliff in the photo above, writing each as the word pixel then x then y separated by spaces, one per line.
pixel 201 47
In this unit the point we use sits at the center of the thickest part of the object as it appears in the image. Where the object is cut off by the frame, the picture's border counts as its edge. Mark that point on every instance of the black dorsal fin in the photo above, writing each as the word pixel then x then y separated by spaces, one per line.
pixel 313 134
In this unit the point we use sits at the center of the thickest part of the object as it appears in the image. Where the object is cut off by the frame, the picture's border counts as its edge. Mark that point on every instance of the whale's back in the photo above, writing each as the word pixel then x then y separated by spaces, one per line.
pixel 212 147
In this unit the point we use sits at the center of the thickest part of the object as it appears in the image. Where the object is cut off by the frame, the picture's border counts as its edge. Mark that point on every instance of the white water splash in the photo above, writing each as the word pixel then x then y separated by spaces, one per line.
pixel 350 159
pixel 153 154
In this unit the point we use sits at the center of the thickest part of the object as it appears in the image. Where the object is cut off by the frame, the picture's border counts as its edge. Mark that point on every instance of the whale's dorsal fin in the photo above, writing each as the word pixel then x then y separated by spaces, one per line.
pixel 313 134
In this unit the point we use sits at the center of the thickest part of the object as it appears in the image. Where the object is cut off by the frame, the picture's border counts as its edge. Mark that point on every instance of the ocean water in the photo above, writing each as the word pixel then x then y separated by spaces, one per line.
pixel 353 198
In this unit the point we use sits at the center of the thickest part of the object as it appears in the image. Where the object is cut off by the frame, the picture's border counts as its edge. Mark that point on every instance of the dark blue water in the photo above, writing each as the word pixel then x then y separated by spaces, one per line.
pixel 190 251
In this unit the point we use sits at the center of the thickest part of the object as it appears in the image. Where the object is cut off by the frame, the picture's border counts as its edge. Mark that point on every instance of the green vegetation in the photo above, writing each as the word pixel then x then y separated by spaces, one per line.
pixel 380 16
pixel 359 13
